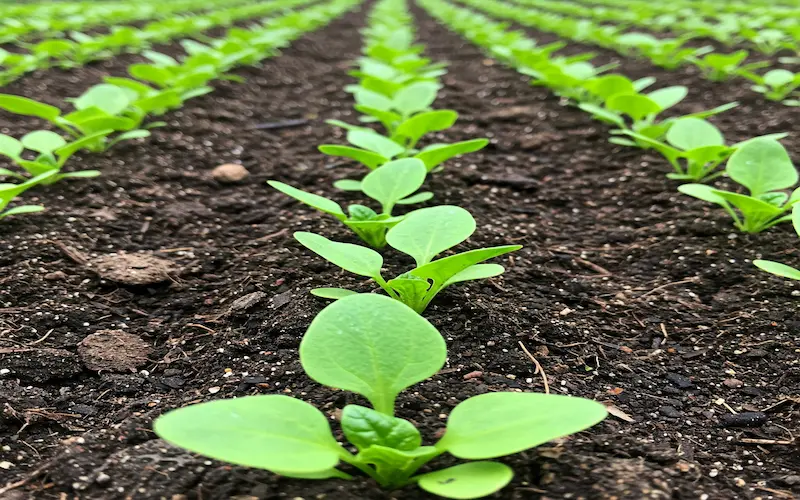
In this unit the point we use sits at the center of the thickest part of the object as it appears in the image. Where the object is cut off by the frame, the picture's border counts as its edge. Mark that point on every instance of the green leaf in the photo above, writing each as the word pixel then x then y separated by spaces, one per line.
pixel 777 78
pixel 367 158
pixel 150 73
pixel 443 270
pixel 423 123
pixel 636 106
pixel 411 289
pixel 10 146
pixel 65 152
pixel 267 432
pixel 476 272
pixel 106 97
pixel 778 269
pixel 417 198
pixel 762 166
pixel 394 181
pixel 324 474
pixel 319 202
pixel 429 231
pixel 464 481
pixel 370 99
pixel 375 142
pixel 608 85
pixel 29 107
pixel 702 192
pixel 415 97
pixel 22 209
pixel 43 141
pixel 690 133
pixel 503 423
pixel 602 114
pixel 365 427
pixel 434 156
pixel 371 345
pixel 387 118
pixel 668 96
pixel 332 293
pixel 354 258
pixel 348 185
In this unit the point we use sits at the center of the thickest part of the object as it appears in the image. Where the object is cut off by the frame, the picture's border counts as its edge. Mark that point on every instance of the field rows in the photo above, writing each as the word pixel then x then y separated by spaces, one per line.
pixel 625 290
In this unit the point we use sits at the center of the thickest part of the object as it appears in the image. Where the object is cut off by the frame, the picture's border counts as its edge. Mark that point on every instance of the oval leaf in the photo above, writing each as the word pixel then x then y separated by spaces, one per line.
pixel 761 166
pixel 429 231
pixel 374 142
pixel 394 181
pixel 273 432
pixel 691 133
pixel 43 141
pixel 356 259
pixel 470 480
pixel 25 106
pixel 502 423
pixel 365 427
pixel 310 199
pixel 371 345
pixel 778 269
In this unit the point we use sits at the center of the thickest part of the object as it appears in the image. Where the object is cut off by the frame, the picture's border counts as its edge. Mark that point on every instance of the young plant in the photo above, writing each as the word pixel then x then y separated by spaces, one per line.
pixel 10 191
pixel 422 234
pixel 53 153
pixel 376 347
pixel 777 268
pixel 776 85
pixel 720 67
pixel 763 167
pixel 393 184
pixel 695 148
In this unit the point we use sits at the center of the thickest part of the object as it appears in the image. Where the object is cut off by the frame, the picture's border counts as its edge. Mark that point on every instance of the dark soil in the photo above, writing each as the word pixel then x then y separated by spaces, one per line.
pixel 625 292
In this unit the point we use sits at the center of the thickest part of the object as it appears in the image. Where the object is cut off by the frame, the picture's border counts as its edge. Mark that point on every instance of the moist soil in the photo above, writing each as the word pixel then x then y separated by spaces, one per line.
pixel 625 291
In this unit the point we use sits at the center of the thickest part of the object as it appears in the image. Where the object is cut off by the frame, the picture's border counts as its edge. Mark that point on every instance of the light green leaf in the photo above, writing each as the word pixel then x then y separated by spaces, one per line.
pixel 29 107
pixel 777 78
pixel 371 345
pixel 702 192
pixel 608 85
pixel 690 133
pixel 636 106
pixel 415 97
pixel 429 231
pixel 267 432
pixel 375 142
pixel 762 166
pixel 778 269
pixel 434 156
pixel 417 198
pixel 319 202
pixel 465 481
pixel 10 146
pixel 106 97
pixel 503 423
pixel 332 293
pixel 442 270
pixel 668 96
pixel 476 272
pixel 602 114
pixel 348 185
pixel 394 181
pixel 423 123
pixel 370 99
pixel 354 258
pixel 43 141
pixel 367 158
pixel 22 209
pixel 365 427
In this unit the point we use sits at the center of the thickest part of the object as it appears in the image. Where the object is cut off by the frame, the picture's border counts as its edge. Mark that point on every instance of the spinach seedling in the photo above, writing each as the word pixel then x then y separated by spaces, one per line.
pixel 776 84
pixel 422 234
pixel 393 184
pixel 53 153
pixel 719 67
pixel 777 268
pixel 698 144
pixel 10 191
pixel 376 347
pixel 763 167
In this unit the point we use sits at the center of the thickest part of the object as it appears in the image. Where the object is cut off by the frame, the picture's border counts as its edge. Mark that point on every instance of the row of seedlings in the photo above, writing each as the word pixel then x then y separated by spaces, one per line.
pixel 378 346
pixel 82 48
pixel 694 147
pixel 116 110
pixel 777 84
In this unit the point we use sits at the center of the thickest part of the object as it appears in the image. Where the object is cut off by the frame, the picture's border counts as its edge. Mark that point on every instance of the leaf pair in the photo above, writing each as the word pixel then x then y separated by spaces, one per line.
pixel 393 184
pixel 376 347
pixel 762 166
pixel 53 153
pixel 422 234
pixel 10 191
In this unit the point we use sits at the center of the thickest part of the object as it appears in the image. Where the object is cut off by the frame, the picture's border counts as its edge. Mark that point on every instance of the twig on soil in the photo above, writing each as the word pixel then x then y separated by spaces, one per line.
pixel 664 331
pixel 22 482
pixel 778 493
pixel 179 249
pixel 602 271
pixel 766 441
pixel 43 338
pixel 693 279
pixel 197 325
pixel 70 252
pixel 539 368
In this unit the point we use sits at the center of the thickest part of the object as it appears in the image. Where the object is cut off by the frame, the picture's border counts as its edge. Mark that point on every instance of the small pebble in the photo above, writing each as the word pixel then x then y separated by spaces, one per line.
pixel 6 465
pixel 732 383
pixel 469 375
pixel 102 478
pixel 229 173
pixel 669 411
pixel 55 275
pixel 213 390
pixel 679 381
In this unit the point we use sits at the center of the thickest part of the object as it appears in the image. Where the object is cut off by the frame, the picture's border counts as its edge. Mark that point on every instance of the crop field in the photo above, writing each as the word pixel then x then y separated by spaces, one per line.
pixel 399 249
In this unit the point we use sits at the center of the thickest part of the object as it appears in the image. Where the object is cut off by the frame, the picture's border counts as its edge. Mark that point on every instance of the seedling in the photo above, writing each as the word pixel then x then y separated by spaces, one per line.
pixel 776 85
pixel 763 167
pixel 698 144
pixel 777 268
pixel 422 234
pixel 393 184
pixel 720 67
pixel 53 153
pixel 376 347
pixel 10 191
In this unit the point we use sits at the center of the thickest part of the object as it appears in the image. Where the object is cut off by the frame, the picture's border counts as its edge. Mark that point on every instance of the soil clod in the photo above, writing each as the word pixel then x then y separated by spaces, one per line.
pixel 113 351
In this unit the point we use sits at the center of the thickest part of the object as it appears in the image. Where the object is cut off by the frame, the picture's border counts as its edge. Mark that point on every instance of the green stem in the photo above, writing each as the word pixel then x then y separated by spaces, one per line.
pixel 382 282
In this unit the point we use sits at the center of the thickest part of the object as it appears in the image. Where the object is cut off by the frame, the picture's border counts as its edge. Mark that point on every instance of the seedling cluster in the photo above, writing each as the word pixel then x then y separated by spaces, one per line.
pixel 377 346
